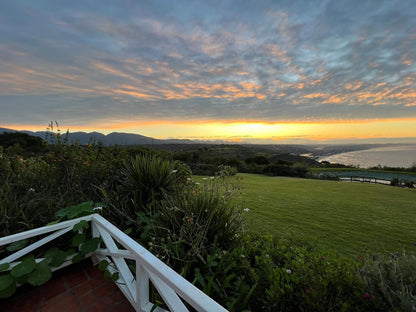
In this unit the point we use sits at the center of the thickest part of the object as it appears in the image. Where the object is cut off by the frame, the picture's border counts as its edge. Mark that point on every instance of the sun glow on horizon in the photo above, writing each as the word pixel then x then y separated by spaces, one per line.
pixel 244 131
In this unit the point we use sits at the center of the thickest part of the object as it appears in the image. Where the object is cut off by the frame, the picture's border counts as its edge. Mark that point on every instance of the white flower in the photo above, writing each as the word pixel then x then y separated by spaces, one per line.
pixel 197 183
pixel 246 209
pixel 289 271
pixel 98 208
pixel 31 190
pixel 188 179
pixel 174 171
pixel 212 178
pixel 204 178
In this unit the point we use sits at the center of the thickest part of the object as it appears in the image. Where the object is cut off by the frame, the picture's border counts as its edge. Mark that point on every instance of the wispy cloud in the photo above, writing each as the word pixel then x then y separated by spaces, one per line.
pixel 270 61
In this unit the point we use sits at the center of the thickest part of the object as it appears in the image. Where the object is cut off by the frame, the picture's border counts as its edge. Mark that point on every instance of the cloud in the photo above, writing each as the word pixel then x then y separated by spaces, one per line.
pixel 267 60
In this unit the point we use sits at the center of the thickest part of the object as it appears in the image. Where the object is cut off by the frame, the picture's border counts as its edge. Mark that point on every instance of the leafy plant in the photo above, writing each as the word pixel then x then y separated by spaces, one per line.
pixel 38 273
pixel 390 279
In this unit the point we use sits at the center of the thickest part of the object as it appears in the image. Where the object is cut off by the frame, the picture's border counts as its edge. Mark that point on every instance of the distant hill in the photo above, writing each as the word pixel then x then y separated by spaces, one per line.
pixel 249 150
pixel 109 139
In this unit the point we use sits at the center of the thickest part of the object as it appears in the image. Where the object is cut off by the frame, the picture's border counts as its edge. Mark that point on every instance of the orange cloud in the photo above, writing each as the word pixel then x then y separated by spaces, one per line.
pixel 405 60
pixel 249 85
pixel 334 99
pixel 353 86
pixel 134 94
pixel 315 95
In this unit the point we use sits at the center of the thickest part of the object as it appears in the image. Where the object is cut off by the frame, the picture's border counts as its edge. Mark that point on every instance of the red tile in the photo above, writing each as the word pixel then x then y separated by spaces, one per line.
pixel 100 307
pixel 66 302
pixel 93 272
pixel 75 278
pixel 54 287
pixel 7 305
pixel 97 295
pixel 85 288
pixel 117 296
pixel 109 302
pixel 75 290
pixel 124 306
pixel 29 301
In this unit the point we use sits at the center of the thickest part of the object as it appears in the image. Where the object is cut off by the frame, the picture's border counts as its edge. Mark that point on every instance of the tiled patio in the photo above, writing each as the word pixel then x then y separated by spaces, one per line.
pixel 78 288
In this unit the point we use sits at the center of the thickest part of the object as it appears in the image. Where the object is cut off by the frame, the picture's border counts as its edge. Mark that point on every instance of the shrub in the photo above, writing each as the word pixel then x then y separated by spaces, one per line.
pixel 197 219
pixel 395 181
pixel 33 189
pixel 266 273
pixel 144 183
pixel 391 279
pixel 295 170
pixel 149 179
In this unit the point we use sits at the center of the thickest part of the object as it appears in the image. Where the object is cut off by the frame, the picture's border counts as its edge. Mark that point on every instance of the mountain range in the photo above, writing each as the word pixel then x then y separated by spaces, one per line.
pixel 109 139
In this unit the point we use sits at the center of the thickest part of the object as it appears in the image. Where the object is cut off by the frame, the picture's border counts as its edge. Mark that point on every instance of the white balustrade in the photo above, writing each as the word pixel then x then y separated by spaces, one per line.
pixel 172 287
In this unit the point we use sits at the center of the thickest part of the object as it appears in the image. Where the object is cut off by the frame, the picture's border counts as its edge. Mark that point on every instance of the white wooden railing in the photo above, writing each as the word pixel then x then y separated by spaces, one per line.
pixel 171 286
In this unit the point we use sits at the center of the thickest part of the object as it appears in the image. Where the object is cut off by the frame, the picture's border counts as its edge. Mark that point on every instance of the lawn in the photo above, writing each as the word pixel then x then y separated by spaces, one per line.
pixel 337 215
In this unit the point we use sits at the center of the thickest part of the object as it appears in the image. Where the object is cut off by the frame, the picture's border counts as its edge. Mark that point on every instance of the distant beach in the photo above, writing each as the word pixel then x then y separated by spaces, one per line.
pixel 390 156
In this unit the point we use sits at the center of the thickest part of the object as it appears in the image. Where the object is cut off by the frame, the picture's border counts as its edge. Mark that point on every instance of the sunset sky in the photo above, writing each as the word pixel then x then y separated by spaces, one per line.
pixel 245 71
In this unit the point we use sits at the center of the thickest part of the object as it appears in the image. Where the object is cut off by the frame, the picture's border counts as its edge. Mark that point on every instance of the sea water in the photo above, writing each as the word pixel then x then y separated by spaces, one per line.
pixel 390 156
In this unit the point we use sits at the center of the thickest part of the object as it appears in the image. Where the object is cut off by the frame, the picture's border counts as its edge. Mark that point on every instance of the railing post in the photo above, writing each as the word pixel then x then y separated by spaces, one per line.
pixel 142 281
pixel 95 232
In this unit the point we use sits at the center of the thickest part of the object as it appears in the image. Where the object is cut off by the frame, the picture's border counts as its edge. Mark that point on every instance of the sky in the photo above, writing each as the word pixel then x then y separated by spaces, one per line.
pixel 242 71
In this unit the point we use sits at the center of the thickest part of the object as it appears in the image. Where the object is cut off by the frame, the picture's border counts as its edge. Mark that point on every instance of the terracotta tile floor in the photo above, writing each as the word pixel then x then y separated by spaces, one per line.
pixel 78 288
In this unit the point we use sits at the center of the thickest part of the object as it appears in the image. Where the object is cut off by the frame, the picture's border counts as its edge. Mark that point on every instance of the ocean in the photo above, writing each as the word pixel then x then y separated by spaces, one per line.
pixel 390 156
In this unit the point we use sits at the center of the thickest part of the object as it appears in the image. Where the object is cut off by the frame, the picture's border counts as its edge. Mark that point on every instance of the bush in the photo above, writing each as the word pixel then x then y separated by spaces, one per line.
pixel 145 183
pixel 295 170
pixel 33 189
pixel 391 280
pixel 197 219
pixel 395 181
pixel 266 273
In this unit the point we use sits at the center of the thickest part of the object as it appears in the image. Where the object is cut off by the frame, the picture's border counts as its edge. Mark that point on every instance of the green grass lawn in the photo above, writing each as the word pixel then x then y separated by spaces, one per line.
pixel 338 215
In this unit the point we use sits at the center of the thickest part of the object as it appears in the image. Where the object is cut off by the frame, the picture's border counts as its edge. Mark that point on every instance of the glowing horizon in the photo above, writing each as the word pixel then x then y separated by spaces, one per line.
pixel 247 131
pixel 275 71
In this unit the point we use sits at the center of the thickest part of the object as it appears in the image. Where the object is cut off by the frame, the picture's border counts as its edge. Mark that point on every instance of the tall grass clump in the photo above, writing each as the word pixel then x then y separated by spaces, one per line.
pixel 177 217
pixel 204 215
pixel 144 183
pixel 180 220
pixel 150 179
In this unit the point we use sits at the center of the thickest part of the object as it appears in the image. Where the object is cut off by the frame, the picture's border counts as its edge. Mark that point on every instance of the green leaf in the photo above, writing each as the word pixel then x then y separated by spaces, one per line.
pixel 78 257
pixel 80 225
pixel 70 252
pixel 41 275
pixel 76 211
pixel 199 277
pixel 6 281
pixel 128 231
pixel 115 277
pixel 55 257
pixel 62 213
pixel 24 267
pixel 78 239
pixel 107 275
pixel 102 266
pixel 80 210
pixel 17 245
pixel 90 245
pixel 4 266
pixel 54 222
pixel 7 286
